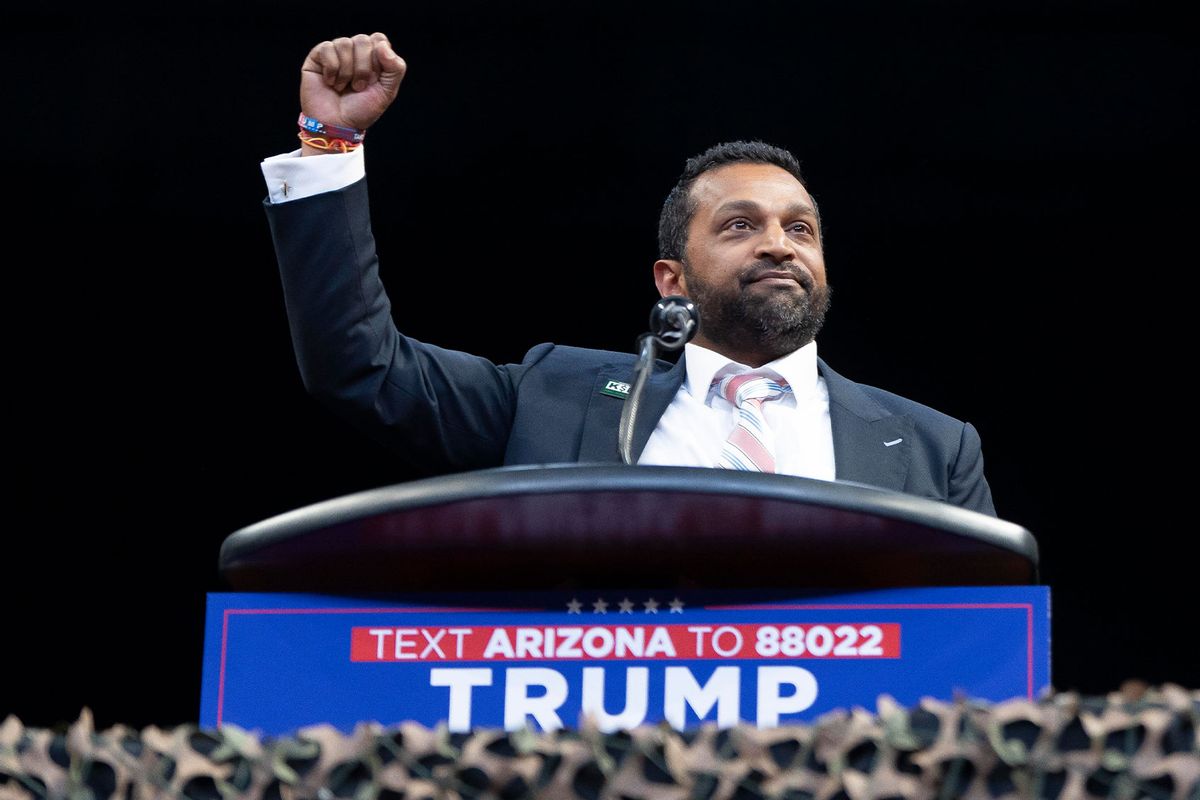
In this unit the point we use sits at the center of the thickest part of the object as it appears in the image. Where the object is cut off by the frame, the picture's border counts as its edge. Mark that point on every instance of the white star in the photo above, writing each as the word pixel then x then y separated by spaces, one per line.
pixel 676 606
pixel 574 606
pixel 651 606
pixel 626 606
pixel 600 606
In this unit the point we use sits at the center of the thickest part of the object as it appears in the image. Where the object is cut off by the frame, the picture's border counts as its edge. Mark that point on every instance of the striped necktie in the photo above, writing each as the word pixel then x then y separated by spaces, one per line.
pixel 751 445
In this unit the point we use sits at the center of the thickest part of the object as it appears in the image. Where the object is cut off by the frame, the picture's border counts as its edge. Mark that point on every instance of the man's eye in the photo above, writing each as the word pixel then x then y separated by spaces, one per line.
pixel 739 224
pixel 802 227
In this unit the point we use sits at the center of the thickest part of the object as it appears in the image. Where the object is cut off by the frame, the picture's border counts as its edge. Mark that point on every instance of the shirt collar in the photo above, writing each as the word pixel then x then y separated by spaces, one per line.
pixel 798 368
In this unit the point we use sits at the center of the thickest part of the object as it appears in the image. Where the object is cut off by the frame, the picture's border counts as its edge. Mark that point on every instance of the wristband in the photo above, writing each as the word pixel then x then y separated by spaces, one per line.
pixel 327 143
pixel 352 135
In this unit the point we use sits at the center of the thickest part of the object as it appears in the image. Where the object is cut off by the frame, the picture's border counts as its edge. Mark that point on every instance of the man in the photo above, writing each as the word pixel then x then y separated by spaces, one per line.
pixel 739 234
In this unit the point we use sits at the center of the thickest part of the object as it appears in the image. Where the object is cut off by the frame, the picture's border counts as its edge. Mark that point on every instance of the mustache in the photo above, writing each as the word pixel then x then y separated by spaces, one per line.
pixel 758 269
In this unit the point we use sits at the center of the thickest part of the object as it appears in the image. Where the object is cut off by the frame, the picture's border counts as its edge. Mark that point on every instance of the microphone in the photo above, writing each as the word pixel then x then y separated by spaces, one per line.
pixel 674 320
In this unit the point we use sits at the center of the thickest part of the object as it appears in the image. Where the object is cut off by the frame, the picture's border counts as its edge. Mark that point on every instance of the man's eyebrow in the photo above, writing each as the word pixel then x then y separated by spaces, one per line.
pixel 751 207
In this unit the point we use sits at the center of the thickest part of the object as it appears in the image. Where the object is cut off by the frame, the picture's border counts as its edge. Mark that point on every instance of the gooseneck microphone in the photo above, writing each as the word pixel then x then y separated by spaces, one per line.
pixel 674 320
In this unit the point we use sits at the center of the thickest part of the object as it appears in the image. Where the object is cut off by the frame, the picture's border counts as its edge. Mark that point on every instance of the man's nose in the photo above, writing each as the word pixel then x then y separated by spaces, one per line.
pixel 776 244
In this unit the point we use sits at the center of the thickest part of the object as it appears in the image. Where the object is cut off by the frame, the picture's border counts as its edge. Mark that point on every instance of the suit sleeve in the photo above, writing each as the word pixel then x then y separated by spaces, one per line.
pixel 441 410
pixel 968 487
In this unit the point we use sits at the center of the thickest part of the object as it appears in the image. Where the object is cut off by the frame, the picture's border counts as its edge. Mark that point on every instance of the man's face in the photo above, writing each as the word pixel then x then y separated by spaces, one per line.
pixel 753 263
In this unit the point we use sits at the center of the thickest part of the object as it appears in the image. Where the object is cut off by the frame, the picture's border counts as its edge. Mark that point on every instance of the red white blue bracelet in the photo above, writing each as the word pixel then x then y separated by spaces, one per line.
pixel 354 136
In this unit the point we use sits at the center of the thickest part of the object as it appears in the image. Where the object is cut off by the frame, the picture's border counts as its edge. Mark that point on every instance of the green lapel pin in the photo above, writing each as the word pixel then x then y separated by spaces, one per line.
pixel 618 389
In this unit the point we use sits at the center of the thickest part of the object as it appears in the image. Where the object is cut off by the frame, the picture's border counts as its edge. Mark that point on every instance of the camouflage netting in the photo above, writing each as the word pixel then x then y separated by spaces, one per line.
pixel 1137 743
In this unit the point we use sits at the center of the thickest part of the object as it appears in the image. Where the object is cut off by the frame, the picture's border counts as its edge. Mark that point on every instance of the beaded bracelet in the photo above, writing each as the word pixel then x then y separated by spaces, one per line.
pixel 353 135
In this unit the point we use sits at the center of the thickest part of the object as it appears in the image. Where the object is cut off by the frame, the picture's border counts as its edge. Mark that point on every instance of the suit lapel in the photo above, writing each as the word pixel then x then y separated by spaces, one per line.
pixel 870 444
pixel 599 441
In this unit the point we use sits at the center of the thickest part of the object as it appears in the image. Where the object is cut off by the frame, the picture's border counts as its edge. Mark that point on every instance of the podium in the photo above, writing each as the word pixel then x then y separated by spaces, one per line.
pixel 556 526
pixel 633 594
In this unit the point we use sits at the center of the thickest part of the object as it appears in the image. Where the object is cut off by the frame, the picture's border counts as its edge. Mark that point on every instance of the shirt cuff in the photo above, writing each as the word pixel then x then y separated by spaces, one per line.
pixel 291 177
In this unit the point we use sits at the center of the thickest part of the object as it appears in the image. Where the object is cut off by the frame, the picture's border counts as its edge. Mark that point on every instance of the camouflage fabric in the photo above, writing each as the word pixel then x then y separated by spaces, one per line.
pixel 1141 742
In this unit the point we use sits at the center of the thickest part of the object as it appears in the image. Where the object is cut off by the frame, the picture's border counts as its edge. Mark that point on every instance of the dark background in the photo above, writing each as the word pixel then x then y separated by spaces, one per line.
pixel 1010 233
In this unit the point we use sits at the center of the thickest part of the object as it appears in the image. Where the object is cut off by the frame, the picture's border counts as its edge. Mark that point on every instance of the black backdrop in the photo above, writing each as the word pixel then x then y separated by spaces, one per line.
pixel 1009 233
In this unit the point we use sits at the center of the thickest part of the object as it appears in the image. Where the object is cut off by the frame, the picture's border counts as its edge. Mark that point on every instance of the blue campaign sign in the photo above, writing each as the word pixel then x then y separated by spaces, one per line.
pixel 279 662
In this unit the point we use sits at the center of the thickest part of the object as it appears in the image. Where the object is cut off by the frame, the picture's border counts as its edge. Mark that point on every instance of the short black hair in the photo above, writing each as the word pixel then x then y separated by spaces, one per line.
pixel 679 207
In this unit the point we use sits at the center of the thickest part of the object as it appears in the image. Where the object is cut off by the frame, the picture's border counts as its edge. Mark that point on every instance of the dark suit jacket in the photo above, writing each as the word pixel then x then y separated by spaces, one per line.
pixel 450 411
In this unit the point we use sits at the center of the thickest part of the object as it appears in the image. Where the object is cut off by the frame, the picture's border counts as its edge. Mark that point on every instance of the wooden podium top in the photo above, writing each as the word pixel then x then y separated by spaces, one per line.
pixel 580 526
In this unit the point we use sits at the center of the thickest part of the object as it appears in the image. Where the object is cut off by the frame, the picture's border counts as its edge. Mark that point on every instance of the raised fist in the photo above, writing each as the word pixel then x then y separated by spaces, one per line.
pixel 350 81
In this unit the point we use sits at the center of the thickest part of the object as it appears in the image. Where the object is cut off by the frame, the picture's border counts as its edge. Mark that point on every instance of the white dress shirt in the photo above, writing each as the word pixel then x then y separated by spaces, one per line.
pixel 291 177
pixel 696 423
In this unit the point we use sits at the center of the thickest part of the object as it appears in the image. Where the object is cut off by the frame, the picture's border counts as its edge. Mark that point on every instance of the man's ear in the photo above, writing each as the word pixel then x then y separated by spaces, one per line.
pixel 668 277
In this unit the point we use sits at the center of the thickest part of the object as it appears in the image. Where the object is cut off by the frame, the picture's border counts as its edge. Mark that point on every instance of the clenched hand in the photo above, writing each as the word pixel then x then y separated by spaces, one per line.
pixel 350 81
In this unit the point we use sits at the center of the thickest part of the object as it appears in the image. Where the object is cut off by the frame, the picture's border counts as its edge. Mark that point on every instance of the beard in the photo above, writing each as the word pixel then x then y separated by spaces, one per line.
pixel 773 323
